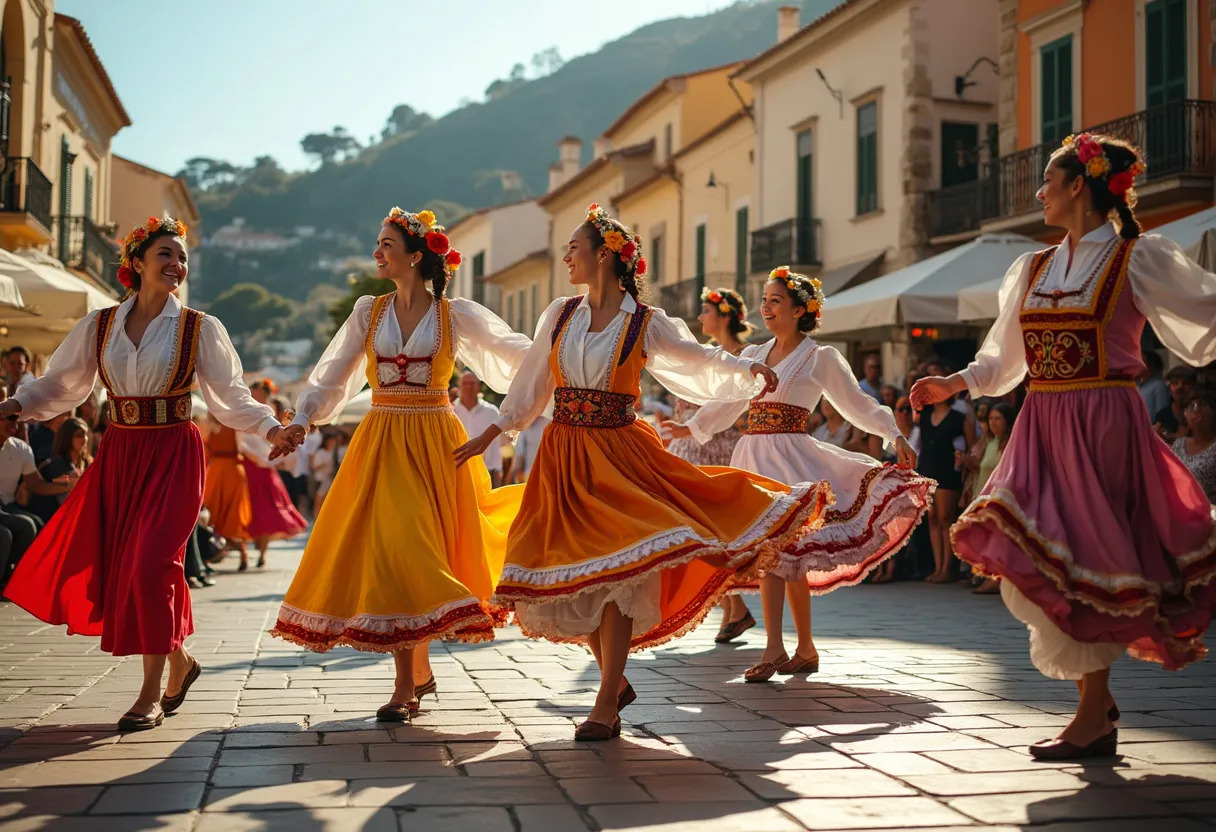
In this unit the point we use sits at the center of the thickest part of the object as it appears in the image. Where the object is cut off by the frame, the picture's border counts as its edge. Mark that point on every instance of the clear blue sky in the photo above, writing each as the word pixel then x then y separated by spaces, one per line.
pixel 234 79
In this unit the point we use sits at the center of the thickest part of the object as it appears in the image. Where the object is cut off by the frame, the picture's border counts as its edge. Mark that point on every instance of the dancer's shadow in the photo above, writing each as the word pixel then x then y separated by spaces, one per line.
pixel 1113 790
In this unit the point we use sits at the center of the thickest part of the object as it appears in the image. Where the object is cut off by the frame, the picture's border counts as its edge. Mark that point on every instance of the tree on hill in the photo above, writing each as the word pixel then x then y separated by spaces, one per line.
pixel 329 147
pixel 248 307
pixel 363 283
pixel 404 119
pixel 203 172
pixel 546 62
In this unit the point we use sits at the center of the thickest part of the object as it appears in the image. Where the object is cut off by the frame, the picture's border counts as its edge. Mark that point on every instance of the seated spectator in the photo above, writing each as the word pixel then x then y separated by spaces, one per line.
pixel 42 437
pixel 834 430
pixel 1197 450
pixel 1170 422
pixel 69 455
pixel 17 363
pixel 888 395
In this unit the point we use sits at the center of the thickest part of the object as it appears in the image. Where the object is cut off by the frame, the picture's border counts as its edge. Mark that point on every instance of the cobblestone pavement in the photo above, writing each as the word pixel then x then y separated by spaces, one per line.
pixel 918 720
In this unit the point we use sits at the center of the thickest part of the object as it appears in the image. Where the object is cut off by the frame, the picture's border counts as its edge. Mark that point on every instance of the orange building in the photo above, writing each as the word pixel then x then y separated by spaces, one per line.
pixel 1142 70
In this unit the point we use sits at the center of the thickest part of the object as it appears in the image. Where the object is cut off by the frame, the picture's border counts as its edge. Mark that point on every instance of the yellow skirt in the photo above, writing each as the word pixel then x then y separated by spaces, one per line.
pixel 607 511
pixel 406 548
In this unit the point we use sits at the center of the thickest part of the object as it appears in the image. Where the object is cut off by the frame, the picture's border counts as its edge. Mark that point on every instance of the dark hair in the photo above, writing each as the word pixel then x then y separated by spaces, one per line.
pixel 737 316
pixel 431 266
pixel 1007 410
pixel 141 250
pixel 1202 394
pixel 809 321
pixel 1122 156
pixel 626 273
pixel 62 446
pixel 1153 361
pixel 21 350
pixel 1183 373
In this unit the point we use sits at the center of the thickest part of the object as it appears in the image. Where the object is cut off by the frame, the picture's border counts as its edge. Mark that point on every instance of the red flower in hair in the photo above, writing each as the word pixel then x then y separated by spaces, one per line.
pixel 125 276
pixel 438 242
pixel 1087 149
pixel 452 259
pixel 1121 183
pixel 629 249
pixel 641 269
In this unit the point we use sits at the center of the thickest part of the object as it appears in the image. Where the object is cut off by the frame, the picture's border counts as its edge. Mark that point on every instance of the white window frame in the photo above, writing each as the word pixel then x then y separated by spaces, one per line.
pixel 1192 52
pixel 1068 19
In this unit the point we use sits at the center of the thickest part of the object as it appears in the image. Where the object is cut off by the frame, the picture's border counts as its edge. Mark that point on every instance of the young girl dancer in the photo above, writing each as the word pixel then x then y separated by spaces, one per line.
pixel 406 548
pixel 110 561
pixel 609 543
pixel 881 503
pixel 1102 539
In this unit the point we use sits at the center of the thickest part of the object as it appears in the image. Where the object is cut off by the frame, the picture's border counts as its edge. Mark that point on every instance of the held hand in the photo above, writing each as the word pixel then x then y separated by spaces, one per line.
pixel 770 378
pixel 474 447
pixel 929 391
pixel 283 440
pixel 677 430
pixel 907 456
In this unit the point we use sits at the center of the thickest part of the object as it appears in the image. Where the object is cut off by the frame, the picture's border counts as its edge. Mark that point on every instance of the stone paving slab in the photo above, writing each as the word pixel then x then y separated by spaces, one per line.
pixel 918 719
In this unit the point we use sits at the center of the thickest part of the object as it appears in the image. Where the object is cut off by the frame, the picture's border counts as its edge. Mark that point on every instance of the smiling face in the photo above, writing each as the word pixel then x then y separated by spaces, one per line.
pixel 393 261
pixel 1059 193
pixel 581 256
pixel 778 310
pixel 163 266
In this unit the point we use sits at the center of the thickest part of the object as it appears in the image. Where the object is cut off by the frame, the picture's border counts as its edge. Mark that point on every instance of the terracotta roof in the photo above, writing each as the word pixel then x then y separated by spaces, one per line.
pixel 595 166
pixel 716 130
pixel 78 29
pixel 655 92
pixel 800 34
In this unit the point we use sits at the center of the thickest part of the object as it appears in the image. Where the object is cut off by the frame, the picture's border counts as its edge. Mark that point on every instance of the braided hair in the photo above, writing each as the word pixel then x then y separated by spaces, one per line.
pixel 628 266
pixel 805 292
pixel 420 233
pixel 1109 167
pixel 730 303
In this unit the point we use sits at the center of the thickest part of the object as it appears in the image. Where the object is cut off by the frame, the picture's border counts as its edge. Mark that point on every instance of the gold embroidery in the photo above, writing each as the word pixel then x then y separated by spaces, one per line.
pixel 1057 355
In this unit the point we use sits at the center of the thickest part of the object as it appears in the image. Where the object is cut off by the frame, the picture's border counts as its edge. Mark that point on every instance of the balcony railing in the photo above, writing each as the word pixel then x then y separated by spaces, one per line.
pixel 81 244
pixel 1177 139
pixel 683 299
pixel 25 189
pixel 787 243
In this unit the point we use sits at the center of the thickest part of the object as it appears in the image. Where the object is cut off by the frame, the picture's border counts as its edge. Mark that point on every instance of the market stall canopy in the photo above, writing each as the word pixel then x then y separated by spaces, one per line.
pixel 355 409
pixel 61 297
pixel 980 302
pixel 925 292
pixel 1196 234
pixel 833 280
pixel 10 296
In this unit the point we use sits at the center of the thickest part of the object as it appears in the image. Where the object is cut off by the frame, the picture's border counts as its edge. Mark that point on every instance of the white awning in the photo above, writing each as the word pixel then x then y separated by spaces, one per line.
pixel 59 296
pixel 926 292
pixel 979 302
pixel 355 409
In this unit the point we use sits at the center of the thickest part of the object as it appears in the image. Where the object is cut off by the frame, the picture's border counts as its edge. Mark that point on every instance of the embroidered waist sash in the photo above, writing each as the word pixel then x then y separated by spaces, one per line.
pixel 410 400
pixel 149 411
pixel 584 408
pixel 777 417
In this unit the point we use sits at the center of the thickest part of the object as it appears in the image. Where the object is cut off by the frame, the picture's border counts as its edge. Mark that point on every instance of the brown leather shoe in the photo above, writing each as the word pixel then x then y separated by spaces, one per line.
pixel 1104 746
pixel 764 671
pixel 394 712
pixel 799 665
pixel 427 688
pixel 131 721
pixel 591 731
pixel 628 697
pixel 734 629
pixel 169 704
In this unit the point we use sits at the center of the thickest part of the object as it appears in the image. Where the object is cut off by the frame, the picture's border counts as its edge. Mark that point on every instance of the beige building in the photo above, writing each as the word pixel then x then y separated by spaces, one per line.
pixel 493 239
pixel 519 287
pixel 859 116
pixel 138 192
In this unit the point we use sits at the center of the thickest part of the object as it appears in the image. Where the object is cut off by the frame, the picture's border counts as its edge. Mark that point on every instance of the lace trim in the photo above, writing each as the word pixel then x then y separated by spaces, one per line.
pixel 405 408
pixel 466 620
pixel 660 542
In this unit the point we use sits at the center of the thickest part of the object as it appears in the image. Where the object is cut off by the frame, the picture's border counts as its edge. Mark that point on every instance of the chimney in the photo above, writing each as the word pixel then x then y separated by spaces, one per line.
pixel 569 154
pixel 601 147
pixel 555 176
pixel 787 22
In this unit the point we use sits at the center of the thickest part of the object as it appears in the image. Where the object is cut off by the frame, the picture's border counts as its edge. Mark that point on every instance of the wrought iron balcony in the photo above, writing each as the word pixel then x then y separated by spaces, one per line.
pixel 787 243
pixel 24 189
pixel 1178 139
pixel 683 299
pixel 81 244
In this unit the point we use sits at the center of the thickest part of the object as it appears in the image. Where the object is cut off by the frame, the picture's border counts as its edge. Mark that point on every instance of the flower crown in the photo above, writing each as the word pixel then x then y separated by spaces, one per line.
pixel 271 387
pixel 725 301
pixel 423 226
pixel 806 292
pixel 1092 155
pixel 618 239
pixel 138 236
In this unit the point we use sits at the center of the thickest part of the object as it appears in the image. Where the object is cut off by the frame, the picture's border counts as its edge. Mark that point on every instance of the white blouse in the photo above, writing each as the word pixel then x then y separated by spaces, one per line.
pixel 696 373
pixel 483 342
pixel 1176 294
pixel 811 371
pixel 144 370
pixel 255 448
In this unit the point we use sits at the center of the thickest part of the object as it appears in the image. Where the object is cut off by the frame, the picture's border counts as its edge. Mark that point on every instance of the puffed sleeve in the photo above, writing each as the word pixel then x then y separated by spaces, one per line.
pixel 69 378
pixel 716 417
pixel 486 345
pixel 219 375
pixel 1177 295
pixel 832 373
pixel 255 447
pixel 532 387
pixel 1000 364
pixel 341 372
pixel 696 373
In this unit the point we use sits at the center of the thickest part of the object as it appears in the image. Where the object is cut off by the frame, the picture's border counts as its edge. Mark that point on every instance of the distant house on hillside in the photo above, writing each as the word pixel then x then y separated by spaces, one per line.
pixel 236 237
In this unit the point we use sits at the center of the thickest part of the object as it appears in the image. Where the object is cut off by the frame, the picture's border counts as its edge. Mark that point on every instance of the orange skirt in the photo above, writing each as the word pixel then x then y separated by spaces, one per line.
pixel 611 509
pixel 227 497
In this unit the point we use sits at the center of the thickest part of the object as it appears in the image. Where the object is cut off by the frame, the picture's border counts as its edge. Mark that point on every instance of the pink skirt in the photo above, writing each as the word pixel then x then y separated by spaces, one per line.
pixel 110 561
pixel 274 517
pixel 1096 522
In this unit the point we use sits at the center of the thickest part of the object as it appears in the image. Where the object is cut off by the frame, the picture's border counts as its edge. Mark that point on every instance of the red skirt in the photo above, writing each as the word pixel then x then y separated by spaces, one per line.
pixel 274 516
pixel 110 561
